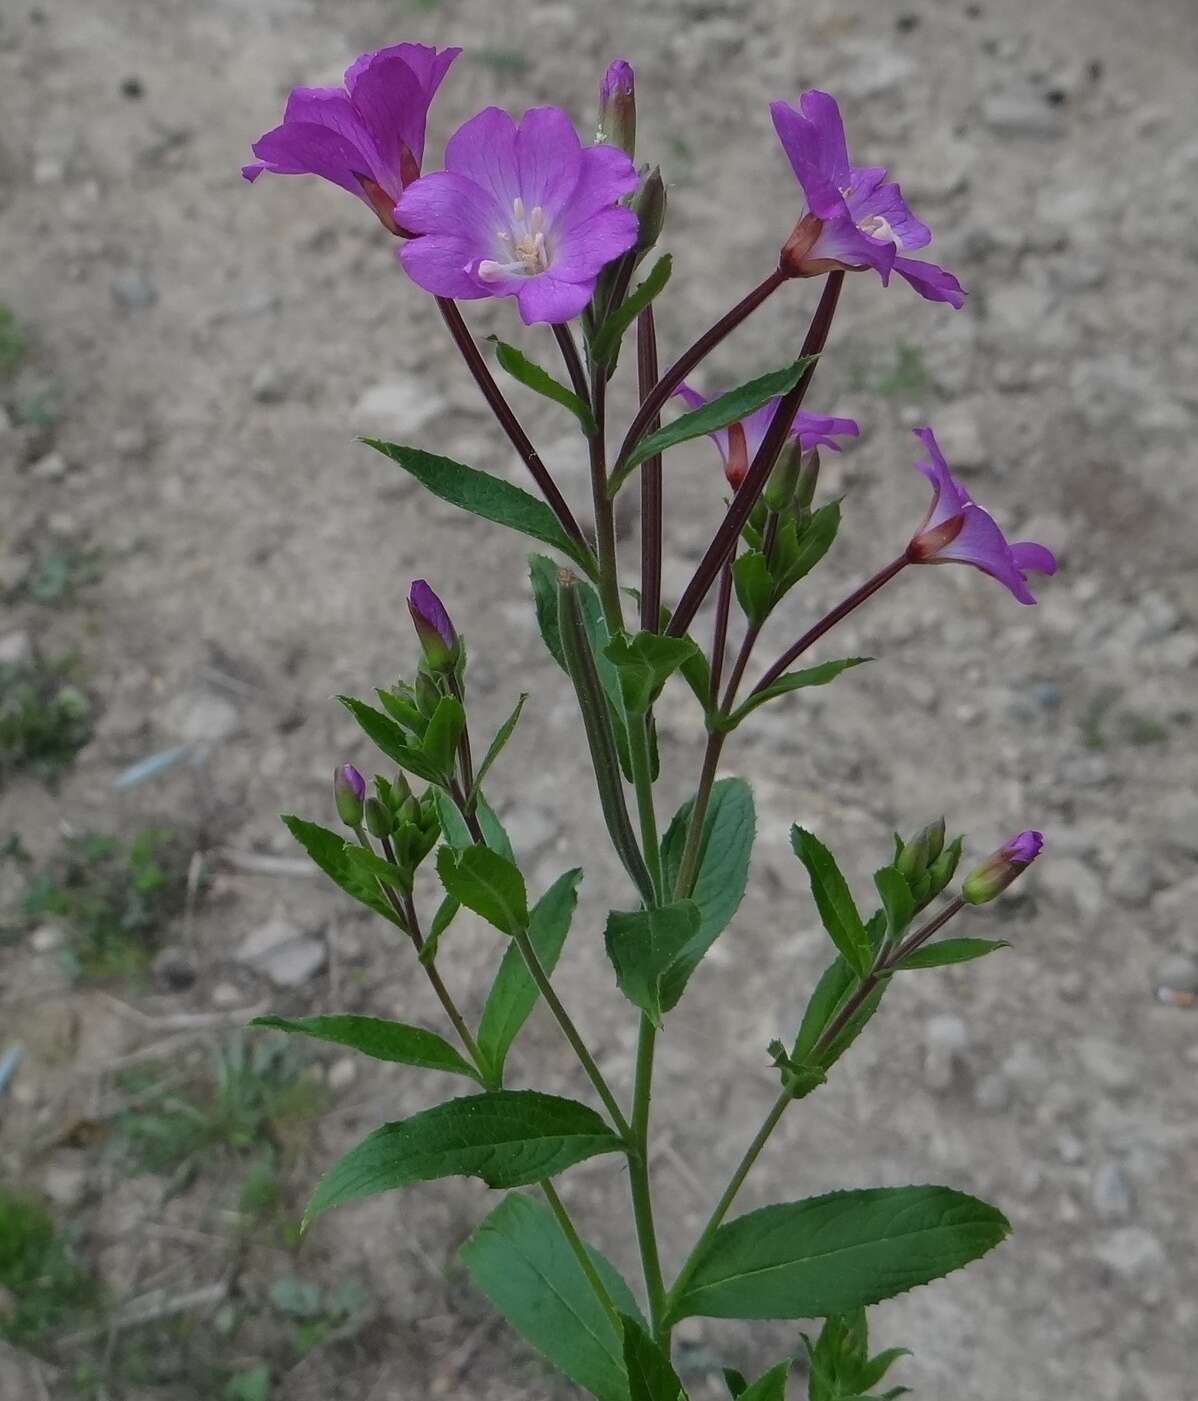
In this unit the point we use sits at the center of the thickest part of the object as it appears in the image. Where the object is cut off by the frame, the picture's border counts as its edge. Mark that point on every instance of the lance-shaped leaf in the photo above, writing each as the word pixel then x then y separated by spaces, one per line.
pixel 814 543
pixel 836 984
pixel 359 858
pixel 651 1377
pixel 540 381
pixel 716 413
pixel 754 587
pixel 834 901
pixel 392 739
pixel 497 746
pixel 644 664
pixel 606 342
pixel 513 994
pixel 488 884
pixel 379 1039
pixel 644 946
pixel 769 1387
pixel 446 913
pixel 521 1261
pixel 949 951
pixel 508 1138
pixel 489 497
pixel 792 681
pixel 457 834
pixel 330 852
pixel 725 850
pixel 545 578
pixel 440 743
pixel 897 901
pixel 838 1252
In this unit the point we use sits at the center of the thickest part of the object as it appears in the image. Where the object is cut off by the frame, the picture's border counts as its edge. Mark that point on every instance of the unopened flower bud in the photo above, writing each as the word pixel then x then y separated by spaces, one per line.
pixel 617 107
pixel 997 872
pixel 944 867
pixel 435 631
pixel 409 811
pixel 919 853
pixel 808 480
pixel 784 479
pixel 401 789
pixel 349 793
pixel 379 822
pixel 649 206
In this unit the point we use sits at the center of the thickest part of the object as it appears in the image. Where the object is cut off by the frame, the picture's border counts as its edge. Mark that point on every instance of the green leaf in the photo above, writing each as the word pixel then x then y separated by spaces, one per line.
pixel 360 859
pixel 509 1138
pixel 488 884
pixel 489 497
pixel 952 951
pixel 834 901
pixel 513 994
pixel 792 681
pixel 382 1040
pixel 736 1382
pixel 392 739
pixel 606 341
pixel 533 377
pixel 644 664
pixel 457 834
pixel 836 983
pixel 502 735
pixel 651 1377
pixel 814 543
pixel 644 945
pixel 544 575
pixel 723 872
pixel 834 1253
pixel 330 852
pixel 717 413
pixel 770 1387
pixel 520 1260
pixel 493 830
pixel 754 587
pixel 896 899
pixel 440 743
pixel 446 913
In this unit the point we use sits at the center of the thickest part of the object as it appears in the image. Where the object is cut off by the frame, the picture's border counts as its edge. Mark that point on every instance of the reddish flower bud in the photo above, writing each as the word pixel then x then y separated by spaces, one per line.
pixel 997 872
pixel 349 793
pixel 617 107
pixel 435 631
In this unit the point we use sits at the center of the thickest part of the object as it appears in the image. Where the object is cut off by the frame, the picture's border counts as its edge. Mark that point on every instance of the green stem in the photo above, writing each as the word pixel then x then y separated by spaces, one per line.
pixel 642 778
pixel 639 1183
pixel 689 866
pixel 539 976
pixel 724 1205
pixel 581 1254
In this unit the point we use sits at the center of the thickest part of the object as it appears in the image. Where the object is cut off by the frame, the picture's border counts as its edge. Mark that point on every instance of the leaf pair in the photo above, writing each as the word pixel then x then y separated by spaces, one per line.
pixel 429 756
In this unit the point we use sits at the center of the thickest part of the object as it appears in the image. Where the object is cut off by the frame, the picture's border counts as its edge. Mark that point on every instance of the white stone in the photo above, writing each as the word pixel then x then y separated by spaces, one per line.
pixel 1108 1063
pixel 946 1039
pixel 1133 1253
pixel 1110 1192
pixel 342 1073
pixel 65 1180
pixel 201 718
pixel 51 468
pixel 46 938
pixel 1021 114
pixel 16 648
pixel 402 406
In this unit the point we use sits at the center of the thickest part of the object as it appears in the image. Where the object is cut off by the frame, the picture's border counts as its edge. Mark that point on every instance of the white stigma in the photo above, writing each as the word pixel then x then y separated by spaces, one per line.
pixel 878 227
pixel 523 243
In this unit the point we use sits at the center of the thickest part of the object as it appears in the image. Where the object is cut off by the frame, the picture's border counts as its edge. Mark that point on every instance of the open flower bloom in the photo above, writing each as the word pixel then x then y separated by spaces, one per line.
pixel 998 870
pixel 854 219
pixel 519 211
pixel 739 442
pixel 957 530
pixel 367 137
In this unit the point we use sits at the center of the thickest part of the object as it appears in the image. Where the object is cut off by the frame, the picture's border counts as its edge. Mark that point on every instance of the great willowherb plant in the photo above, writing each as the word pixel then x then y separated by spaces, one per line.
pixel 525 210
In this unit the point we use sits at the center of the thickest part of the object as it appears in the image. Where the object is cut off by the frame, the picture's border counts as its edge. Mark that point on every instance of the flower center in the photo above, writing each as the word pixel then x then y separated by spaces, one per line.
pixel 522 244
pixel 878 227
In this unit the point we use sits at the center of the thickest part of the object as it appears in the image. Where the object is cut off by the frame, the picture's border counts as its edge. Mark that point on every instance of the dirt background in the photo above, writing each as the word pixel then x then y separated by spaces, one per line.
pixel 217 348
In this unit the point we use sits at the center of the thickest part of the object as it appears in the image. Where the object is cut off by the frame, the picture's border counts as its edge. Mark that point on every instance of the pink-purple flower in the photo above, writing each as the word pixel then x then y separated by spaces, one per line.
pixel 854 218
pixel 519 211
pixel 957 530
pixel 437 634
pixel 993 875
pixel 367 137
pixel 349 793
pixel 739 442
pixel 617 107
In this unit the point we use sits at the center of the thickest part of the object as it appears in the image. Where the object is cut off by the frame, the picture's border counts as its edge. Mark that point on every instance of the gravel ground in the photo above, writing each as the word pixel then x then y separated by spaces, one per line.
pixel 216 349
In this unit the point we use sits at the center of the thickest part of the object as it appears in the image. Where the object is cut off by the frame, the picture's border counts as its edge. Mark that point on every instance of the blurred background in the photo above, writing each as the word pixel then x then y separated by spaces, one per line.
pixel 196 556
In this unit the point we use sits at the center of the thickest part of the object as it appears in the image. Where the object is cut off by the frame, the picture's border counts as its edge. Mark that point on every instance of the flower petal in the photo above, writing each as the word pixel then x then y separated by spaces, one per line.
pixel 813 137
pixel 981 543
pixel 451 205
pixel 1028 555
pixel 949 496
pixel 440 264
pixel 842 242
pixel 548 160
pixel 303 148
pixel 484 150
pixel 547 298
pixel 815 430
pixel 886 202
pixel 428 66
pixel 583 250
pixel 931 282
pixel 605 175
pixel 393 108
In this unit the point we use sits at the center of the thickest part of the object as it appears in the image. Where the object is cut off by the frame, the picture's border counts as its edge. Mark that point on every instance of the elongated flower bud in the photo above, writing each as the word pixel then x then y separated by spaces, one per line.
pixel 997 872
pixel 379 822
pixel 617 107
pixel 349 793
pixel 944 867
pixel 919 853
pixel 433 627
pixel 784 479
pixel 649 206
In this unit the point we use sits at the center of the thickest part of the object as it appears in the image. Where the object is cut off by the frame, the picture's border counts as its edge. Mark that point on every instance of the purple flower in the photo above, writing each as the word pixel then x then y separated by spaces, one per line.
pixel 854 220
pixel 739 442
pixel 617 107
pixel 997 872
pixel 524 212
pixel 349 793
pixel 957 530
pixel 433 627
pixel 367 137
